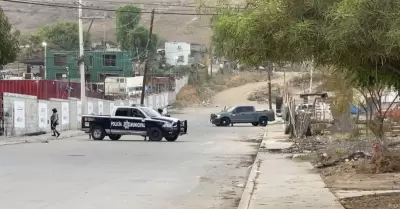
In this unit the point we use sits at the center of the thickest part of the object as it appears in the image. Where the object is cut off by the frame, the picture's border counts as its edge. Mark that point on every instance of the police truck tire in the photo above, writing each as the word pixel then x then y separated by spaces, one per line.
pixel 98 133
pixel 263 121
pixel 155 134
pixel 171 138
pixel 114 137
pixel 254 124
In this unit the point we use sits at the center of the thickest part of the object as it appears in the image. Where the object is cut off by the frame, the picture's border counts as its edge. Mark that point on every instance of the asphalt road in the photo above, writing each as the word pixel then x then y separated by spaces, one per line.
pixel 203 170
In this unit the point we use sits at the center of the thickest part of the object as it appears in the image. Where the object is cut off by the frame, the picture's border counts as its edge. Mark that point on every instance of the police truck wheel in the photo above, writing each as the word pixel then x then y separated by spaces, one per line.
pixel 114 137
pixel 263 121
pixel 98 133
pixel 171 138
pixel 254 124
pixel 155 134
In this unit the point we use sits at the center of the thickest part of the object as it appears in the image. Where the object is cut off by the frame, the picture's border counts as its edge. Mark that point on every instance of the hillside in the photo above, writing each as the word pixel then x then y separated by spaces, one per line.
pixel 185 28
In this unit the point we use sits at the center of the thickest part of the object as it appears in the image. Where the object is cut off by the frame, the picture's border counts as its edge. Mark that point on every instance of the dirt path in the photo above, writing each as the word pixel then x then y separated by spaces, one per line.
pixel 238 95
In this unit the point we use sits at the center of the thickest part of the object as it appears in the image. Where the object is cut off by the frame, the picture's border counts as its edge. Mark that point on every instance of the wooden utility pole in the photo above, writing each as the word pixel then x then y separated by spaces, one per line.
pixel 146 66
pixel 269 87
pixel 211 61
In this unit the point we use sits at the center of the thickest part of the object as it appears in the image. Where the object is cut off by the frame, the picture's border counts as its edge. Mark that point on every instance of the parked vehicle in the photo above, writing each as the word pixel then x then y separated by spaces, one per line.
pixel 393 113
pixel 141 121
pixel 242 114
pixel 123 85
pixel 305 108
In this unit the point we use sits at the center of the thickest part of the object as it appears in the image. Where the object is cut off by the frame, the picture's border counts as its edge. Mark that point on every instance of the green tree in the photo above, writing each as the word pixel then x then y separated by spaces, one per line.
pixel 360 38
pixel 9 45
pixel 62 36
pixel 130 35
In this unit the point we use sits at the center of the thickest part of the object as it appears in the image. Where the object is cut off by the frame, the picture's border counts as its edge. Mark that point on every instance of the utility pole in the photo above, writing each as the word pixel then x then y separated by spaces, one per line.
pixel 269 87
pixel 81 57
pixel 311 77
pixel 146 66
pixel 211 61
pixel 69 93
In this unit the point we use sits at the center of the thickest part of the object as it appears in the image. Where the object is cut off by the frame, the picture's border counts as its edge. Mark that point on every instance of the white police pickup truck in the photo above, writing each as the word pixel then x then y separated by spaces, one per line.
pixel 141 121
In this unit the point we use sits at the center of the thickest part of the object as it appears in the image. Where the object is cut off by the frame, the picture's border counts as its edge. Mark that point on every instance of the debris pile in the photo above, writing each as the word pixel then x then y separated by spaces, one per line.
pixel 261 94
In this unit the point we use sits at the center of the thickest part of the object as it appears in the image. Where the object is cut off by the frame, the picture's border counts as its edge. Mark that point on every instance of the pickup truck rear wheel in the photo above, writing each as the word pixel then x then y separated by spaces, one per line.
pixel 254 124
pixel 155 134
pixel 114 137
pixel 263 121
pixel 98 133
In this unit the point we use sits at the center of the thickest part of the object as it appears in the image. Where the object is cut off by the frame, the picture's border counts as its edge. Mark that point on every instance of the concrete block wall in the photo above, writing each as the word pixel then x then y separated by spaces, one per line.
pixel 25 114
pixel 20 114
pixel 43 115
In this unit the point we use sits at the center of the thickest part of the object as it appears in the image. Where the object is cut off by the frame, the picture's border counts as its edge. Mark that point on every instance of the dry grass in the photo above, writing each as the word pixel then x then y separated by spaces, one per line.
pixel 391 201
pixel 386 162
pixel 202 89
pixel 261 94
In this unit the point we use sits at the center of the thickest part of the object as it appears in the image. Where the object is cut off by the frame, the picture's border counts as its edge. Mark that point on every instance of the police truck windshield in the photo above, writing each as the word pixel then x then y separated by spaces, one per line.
pixel 150 112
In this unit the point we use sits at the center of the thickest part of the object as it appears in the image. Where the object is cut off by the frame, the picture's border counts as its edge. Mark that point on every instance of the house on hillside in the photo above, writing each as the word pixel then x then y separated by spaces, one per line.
pixel 181 53
pixel 98 65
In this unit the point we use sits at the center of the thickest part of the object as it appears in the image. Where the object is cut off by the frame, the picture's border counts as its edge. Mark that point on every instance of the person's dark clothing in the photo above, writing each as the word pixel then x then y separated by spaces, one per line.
pixel 54 123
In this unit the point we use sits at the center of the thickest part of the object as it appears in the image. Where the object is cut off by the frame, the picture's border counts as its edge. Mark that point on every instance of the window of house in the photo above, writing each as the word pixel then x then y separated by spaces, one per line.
pixel 90 60
pixel 109 60
pixel 60 76
pixel 60 60
pixel 181 58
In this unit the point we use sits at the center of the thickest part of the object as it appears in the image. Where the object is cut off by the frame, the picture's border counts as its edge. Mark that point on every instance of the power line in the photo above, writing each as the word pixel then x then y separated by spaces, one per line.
pixel 163 4
pixel 70 6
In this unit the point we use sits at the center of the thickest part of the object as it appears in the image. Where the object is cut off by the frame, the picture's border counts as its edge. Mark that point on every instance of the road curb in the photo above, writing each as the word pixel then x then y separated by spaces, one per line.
pixel 23 141
pixel 251 181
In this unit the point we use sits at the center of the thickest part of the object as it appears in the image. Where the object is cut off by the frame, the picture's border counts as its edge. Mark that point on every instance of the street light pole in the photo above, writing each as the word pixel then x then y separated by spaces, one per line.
pixel 81 56
pixel 69 97
pixel 45 59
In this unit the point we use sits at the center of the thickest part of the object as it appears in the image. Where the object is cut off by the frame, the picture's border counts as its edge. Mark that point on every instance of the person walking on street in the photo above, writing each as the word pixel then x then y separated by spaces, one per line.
pixel 54 123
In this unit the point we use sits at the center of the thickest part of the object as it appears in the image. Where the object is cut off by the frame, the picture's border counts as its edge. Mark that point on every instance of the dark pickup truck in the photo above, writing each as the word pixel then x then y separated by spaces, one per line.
pixel 141 121
pixel 242 114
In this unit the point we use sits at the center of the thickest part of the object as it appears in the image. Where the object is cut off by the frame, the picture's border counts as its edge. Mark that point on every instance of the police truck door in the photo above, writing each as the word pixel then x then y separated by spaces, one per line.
pixel 128 121
pixel 117 122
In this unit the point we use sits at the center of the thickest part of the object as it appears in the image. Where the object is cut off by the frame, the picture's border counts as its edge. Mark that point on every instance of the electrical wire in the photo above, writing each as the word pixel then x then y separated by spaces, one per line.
pixel 162 4
pixel 70 6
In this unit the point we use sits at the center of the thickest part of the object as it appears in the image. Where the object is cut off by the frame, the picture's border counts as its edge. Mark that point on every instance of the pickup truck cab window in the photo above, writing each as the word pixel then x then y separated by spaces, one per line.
pixel 123 112
pixel 129 112
pixel 248 109
pixel 243 109
pixel 150 112
pixel 137 113
pixel 230 109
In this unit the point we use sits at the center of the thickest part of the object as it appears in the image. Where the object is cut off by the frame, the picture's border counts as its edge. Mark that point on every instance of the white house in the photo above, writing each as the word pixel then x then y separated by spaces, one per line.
pixel 177 53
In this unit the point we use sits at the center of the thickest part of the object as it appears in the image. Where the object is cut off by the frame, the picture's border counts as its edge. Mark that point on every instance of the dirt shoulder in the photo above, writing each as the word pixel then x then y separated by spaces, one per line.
pixel 357 170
